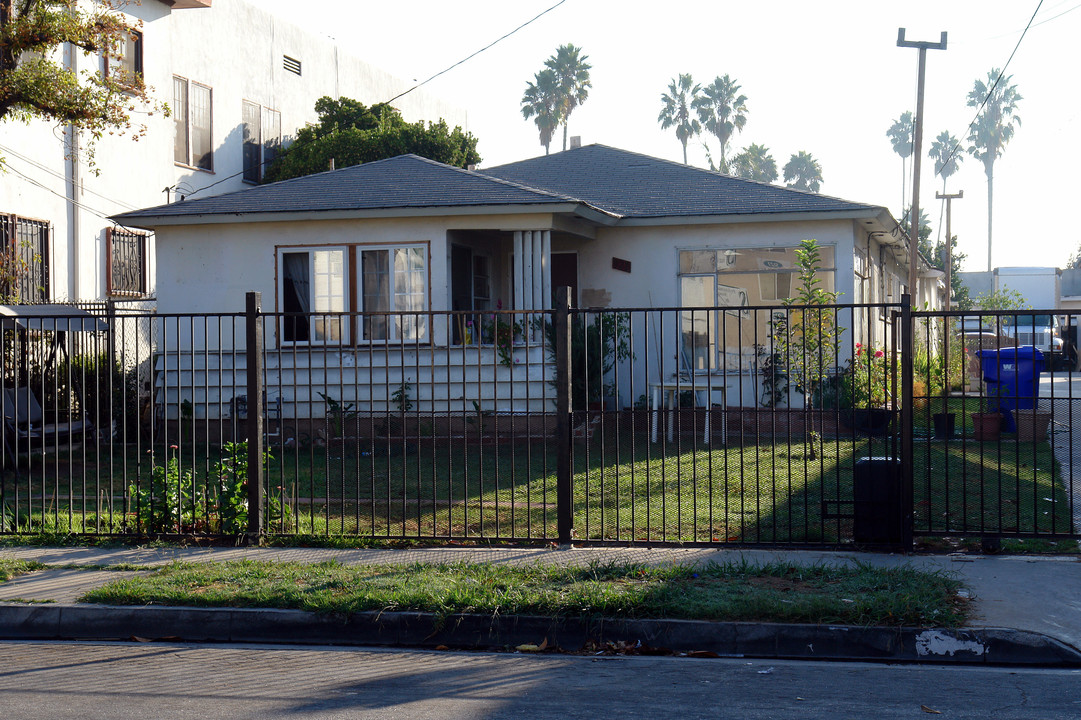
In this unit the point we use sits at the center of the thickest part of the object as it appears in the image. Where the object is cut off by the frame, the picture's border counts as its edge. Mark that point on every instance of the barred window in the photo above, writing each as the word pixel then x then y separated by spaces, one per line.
pixel 126 271
pixel 24 276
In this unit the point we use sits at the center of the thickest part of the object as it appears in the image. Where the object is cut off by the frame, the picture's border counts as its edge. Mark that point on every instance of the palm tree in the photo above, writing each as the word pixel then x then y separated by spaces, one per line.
pixel 722 110
pixel 755 163
pixel 676 110
pixel 945 151
pixel 572 80
pixel 992 129
pixel 900 135
pixel 541 101
pixel 803 172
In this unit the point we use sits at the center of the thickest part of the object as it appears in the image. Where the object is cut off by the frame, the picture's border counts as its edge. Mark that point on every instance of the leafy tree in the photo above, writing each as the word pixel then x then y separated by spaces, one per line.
pixel 1074 263
pixel 961 298
pixel 900 135
pixel 945 152
pixel 572 80
pixel 993 128
pixel 351 134
pixel 722 110
pixel 541 100
pixel 676 106
pixel 34 84
pixel 755 163
pixel 924 242
pixel 803 172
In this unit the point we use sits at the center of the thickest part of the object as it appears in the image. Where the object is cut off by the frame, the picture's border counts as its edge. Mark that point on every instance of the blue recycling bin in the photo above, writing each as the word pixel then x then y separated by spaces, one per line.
pixel 1013 375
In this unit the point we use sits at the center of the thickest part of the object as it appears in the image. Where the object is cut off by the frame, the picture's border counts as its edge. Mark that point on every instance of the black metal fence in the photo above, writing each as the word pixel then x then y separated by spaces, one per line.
pixel 755 425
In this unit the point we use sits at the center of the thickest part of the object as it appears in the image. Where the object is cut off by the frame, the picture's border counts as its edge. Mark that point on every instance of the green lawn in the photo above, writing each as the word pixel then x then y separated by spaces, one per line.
pixel 625 488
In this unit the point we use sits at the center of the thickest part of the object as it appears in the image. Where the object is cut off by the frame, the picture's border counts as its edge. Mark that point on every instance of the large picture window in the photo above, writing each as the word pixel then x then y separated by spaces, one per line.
pixel 720 282
pixel 390 284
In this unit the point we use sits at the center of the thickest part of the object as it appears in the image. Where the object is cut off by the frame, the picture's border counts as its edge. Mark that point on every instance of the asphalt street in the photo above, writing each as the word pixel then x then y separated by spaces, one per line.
pixel 152 680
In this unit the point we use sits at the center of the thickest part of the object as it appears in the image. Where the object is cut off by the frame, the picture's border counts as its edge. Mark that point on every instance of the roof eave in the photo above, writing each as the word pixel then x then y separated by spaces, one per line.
pixel 728 219
pixel 151 222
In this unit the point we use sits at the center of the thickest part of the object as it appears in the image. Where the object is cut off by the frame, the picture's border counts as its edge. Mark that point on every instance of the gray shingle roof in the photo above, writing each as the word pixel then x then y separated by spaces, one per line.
pixel 406 181
pixel 639 186
pixel 617 182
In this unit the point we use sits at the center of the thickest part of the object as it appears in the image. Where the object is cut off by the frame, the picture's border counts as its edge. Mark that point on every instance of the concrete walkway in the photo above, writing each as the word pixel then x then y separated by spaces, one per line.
pixel 1035 594
pixel 1060 393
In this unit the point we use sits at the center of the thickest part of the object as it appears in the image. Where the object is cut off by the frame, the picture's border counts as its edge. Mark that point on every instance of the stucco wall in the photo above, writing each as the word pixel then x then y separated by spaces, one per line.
pixel 235 48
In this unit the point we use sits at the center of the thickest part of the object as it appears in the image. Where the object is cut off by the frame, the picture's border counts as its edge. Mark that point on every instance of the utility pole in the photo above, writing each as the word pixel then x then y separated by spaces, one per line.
pixel 917 152
pixel 949 240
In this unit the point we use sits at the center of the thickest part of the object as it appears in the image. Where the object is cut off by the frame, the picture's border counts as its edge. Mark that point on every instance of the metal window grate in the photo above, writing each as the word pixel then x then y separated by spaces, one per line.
pixel 291 64
pixel 26 259
pixel 127 262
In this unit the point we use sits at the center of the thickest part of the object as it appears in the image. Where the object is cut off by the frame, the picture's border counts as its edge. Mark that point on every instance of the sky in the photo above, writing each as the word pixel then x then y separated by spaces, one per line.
pixel 824 77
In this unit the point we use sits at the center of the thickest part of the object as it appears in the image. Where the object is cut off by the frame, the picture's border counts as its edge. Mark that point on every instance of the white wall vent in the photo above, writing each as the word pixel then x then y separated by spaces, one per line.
pixel 291 64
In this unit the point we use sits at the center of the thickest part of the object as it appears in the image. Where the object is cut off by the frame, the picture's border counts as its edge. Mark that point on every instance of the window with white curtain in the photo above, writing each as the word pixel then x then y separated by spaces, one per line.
pixel 391 288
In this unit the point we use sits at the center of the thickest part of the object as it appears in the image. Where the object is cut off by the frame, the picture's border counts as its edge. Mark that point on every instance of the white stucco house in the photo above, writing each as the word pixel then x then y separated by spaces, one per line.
pixel 400 241
pixel 239 81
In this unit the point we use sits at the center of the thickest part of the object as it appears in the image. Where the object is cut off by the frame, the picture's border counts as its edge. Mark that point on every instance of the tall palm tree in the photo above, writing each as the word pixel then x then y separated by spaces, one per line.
pixel 946 152
pixel 541 100
pixel 900 135
pixel 803 172
pixel 676 106
pixel 572 79
pixel 993 128
pixel 722 110
pixel 755 163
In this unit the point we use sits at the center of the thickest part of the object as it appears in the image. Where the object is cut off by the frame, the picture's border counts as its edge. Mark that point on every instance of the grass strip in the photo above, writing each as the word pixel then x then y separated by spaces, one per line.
pixel 10 568
pixel 775 592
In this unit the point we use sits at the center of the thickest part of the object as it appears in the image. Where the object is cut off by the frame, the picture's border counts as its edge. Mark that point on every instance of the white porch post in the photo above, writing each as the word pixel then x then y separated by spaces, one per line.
pixel 527 270
pixel 519 282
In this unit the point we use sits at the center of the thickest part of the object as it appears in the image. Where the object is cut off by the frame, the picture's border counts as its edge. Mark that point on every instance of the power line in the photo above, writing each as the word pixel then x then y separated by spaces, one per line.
pixel 991 90
pixel 58 175
pixel 418 85
pixel 65 198
pixel 478 52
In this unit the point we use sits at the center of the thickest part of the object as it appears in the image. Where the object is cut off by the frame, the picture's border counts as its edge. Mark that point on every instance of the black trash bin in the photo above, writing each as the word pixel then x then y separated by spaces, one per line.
pixel 878 511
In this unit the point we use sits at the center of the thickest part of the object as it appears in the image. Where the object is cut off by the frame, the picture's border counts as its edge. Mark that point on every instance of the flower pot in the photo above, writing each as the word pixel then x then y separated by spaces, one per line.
pixel 872 421
pixel 1032 424
pixel 987 426
pixel 944 425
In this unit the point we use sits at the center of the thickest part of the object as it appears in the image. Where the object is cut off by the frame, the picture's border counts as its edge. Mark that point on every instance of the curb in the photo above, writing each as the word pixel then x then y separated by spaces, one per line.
pixel 996 646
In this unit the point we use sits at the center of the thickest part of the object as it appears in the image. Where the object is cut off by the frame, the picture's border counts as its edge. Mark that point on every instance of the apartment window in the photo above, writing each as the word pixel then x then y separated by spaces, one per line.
pixel 25 273
pixel 192 120
pixel 723 281
pixel 126 65
pixel 390 284
pixel 126 272
pixel 262 139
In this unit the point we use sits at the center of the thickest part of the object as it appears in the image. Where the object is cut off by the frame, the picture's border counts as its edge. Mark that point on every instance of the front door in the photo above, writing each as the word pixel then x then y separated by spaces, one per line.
pixel 565 274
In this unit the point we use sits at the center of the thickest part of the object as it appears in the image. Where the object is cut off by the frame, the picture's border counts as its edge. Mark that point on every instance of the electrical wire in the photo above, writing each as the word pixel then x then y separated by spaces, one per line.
pixel 54 173
pixel 478 52
pixel 65 198
pixel 402 94
pixel 991 90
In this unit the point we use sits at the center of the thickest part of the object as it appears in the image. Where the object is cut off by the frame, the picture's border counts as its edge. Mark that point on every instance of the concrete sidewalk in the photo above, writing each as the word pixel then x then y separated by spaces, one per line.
pixel 1039 595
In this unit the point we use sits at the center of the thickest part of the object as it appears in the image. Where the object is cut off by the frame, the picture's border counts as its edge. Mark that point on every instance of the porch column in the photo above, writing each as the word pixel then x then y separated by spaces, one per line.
pixel 527 271
pixel 519 284
pixel 546 269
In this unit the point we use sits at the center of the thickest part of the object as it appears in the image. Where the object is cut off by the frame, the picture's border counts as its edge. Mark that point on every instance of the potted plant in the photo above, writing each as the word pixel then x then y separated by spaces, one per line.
pixel 1032 424
pixel 987 424
pixel 866 391
pixel 945 422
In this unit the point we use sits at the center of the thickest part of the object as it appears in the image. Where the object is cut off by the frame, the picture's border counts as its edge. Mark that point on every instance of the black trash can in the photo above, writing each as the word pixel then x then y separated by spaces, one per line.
pixel 878 512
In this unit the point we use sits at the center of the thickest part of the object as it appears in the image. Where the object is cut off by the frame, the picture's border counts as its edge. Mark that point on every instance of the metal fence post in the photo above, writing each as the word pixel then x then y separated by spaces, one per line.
pixel 254 351
pixel 908 332
pixel 564 499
